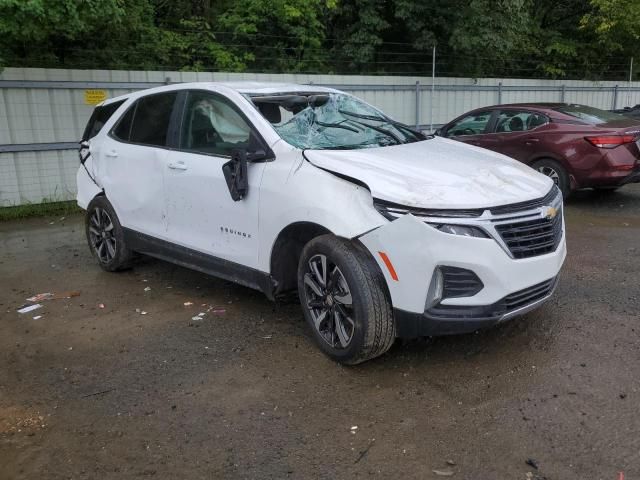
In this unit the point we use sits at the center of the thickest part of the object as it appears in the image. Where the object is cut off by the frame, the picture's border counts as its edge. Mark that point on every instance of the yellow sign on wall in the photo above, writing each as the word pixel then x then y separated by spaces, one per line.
pixel 94 97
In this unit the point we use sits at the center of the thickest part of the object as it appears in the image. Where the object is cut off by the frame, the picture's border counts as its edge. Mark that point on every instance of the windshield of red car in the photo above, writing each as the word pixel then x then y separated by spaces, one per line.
pixel 590 115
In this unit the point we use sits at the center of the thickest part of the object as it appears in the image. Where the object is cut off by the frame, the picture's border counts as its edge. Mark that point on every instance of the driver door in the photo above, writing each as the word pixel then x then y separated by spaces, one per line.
pixel 201 214
pixel 472 128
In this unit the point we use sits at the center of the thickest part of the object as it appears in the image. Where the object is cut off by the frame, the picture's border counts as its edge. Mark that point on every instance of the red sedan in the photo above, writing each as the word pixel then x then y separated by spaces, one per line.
pixel 576 145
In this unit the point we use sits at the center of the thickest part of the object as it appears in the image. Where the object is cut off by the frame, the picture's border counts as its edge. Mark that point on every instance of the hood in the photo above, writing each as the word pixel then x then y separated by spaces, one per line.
pixel 436 173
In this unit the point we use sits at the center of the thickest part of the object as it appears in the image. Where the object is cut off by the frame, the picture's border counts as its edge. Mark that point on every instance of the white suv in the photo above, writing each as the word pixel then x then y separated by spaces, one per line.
pixel 384 232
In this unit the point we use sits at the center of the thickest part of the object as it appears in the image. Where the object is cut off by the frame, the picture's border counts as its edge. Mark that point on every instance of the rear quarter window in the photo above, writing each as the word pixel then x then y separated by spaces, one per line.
pixel 99 117
pixel 591 115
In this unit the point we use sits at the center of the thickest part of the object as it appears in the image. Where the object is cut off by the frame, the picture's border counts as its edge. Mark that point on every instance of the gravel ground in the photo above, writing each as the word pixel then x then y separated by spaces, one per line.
pixel 105 391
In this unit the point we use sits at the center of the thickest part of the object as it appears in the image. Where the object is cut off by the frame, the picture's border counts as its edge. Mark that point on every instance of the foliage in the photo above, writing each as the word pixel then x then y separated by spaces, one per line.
pixel 511 38
pixel 44 209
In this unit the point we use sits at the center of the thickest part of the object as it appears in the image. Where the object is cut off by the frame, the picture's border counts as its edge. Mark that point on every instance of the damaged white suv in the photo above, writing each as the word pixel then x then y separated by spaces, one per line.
pixel 384 232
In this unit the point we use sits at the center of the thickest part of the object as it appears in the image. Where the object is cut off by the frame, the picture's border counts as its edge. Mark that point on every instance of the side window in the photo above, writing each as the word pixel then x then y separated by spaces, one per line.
pixel 99 117
pixel 519 121
pixel 122 130
pixel 470 125
pixel 211 125
pixel 151 119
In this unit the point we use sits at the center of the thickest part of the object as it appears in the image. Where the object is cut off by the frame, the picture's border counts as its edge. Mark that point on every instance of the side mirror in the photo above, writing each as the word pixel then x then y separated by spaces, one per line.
pixel 235 174
pixel 83 151
pixel 438 132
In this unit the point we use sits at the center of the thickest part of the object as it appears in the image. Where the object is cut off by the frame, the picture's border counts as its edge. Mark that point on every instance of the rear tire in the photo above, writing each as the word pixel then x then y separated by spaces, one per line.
pixel 345 300
pixel 106 236
pixel 556 172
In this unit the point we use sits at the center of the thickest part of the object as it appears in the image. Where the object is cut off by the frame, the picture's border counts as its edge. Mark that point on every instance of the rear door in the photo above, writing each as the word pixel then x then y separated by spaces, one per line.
pixel 518 133
pixel 133 159
pixel 201 214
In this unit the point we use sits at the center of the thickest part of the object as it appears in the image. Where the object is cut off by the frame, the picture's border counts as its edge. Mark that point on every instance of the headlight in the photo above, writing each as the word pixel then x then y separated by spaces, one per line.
pixel 392 211
pixel 464 230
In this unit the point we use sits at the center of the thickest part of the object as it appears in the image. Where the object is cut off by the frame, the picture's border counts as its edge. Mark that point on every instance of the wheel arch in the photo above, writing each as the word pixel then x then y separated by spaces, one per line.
pixel 571 178
pixel 286 250
pixel 551 156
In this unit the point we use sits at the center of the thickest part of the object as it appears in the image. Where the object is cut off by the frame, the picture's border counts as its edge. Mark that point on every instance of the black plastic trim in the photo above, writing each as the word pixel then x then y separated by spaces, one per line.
pixel 528 205
pixel 453 320
pixel 459 282
pixel 202 262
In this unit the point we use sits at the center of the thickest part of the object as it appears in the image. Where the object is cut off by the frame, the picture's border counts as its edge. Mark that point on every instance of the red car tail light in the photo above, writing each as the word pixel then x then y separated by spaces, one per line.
pixel 610 141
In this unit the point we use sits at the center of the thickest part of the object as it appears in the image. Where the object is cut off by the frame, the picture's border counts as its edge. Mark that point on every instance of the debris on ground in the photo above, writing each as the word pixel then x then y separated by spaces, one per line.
pixel 147 289
pixel 219 311
pixel 187 304
pixel 60 296
pixel 141 312
pixel 354 429
pixel 451 463
pixel 443 473
pixel 532 462
pixel 366 450
pixel 40 297
pixel 29 308
pixel 102 392
pixel 101 305
pixel 37 317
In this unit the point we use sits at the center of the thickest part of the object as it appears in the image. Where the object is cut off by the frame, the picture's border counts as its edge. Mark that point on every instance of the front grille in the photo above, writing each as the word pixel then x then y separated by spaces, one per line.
pixel 548 199
pixel 532 237
pixel 459 282
pixel 528 295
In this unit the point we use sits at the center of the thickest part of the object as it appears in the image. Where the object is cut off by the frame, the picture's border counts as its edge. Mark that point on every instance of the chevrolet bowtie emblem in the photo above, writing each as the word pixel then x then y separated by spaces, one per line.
pixel 550 213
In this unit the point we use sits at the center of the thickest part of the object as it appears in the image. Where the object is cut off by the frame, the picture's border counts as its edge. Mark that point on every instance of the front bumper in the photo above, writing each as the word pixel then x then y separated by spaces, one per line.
pixel 416 249
pixel 451 320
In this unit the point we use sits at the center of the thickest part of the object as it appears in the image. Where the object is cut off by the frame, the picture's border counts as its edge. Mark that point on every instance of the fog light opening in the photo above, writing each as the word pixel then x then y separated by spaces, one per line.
pixel 434 295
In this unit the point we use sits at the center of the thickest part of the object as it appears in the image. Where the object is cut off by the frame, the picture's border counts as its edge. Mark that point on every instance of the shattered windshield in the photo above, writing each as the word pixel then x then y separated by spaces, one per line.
pixel 332 121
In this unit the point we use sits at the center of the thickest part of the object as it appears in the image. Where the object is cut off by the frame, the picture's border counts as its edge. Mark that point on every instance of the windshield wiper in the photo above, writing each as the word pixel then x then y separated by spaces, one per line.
pixel 336 125
pixel 384 131
pixel 363 116
pixel 377 118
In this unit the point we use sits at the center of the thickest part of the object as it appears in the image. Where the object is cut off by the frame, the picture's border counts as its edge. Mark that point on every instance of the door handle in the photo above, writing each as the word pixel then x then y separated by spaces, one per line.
pixel 177 166
pixel 112 154
pixel 531 141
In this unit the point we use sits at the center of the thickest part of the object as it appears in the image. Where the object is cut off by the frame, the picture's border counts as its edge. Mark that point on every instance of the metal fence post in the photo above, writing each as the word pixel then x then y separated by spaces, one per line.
pixel 499 93
pixel 615 97
pixel 418 104
pixel 563 93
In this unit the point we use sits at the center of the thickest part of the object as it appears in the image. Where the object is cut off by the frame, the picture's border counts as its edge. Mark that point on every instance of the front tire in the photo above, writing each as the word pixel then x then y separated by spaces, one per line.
pixel 106 236
pixel 345 300
pixel 555 172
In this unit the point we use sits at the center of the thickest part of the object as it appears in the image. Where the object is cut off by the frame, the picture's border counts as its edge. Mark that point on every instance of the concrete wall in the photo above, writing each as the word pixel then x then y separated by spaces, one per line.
pixel 45 110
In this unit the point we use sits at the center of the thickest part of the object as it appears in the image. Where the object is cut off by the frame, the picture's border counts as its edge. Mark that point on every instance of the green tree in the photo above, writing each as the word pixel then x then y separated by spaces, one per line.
pixel 278 35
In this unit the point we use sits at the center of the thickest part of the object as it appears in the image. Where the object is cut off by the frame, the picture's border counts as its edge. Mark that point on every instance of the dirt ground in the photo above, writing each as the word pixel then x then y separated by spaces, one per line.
pixel 112 393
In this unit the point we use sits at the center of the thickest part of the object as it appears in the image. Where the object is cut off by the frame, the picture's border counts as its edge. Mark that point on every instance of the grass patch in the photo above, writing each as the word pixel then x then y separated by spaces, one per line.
pixel 39 210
